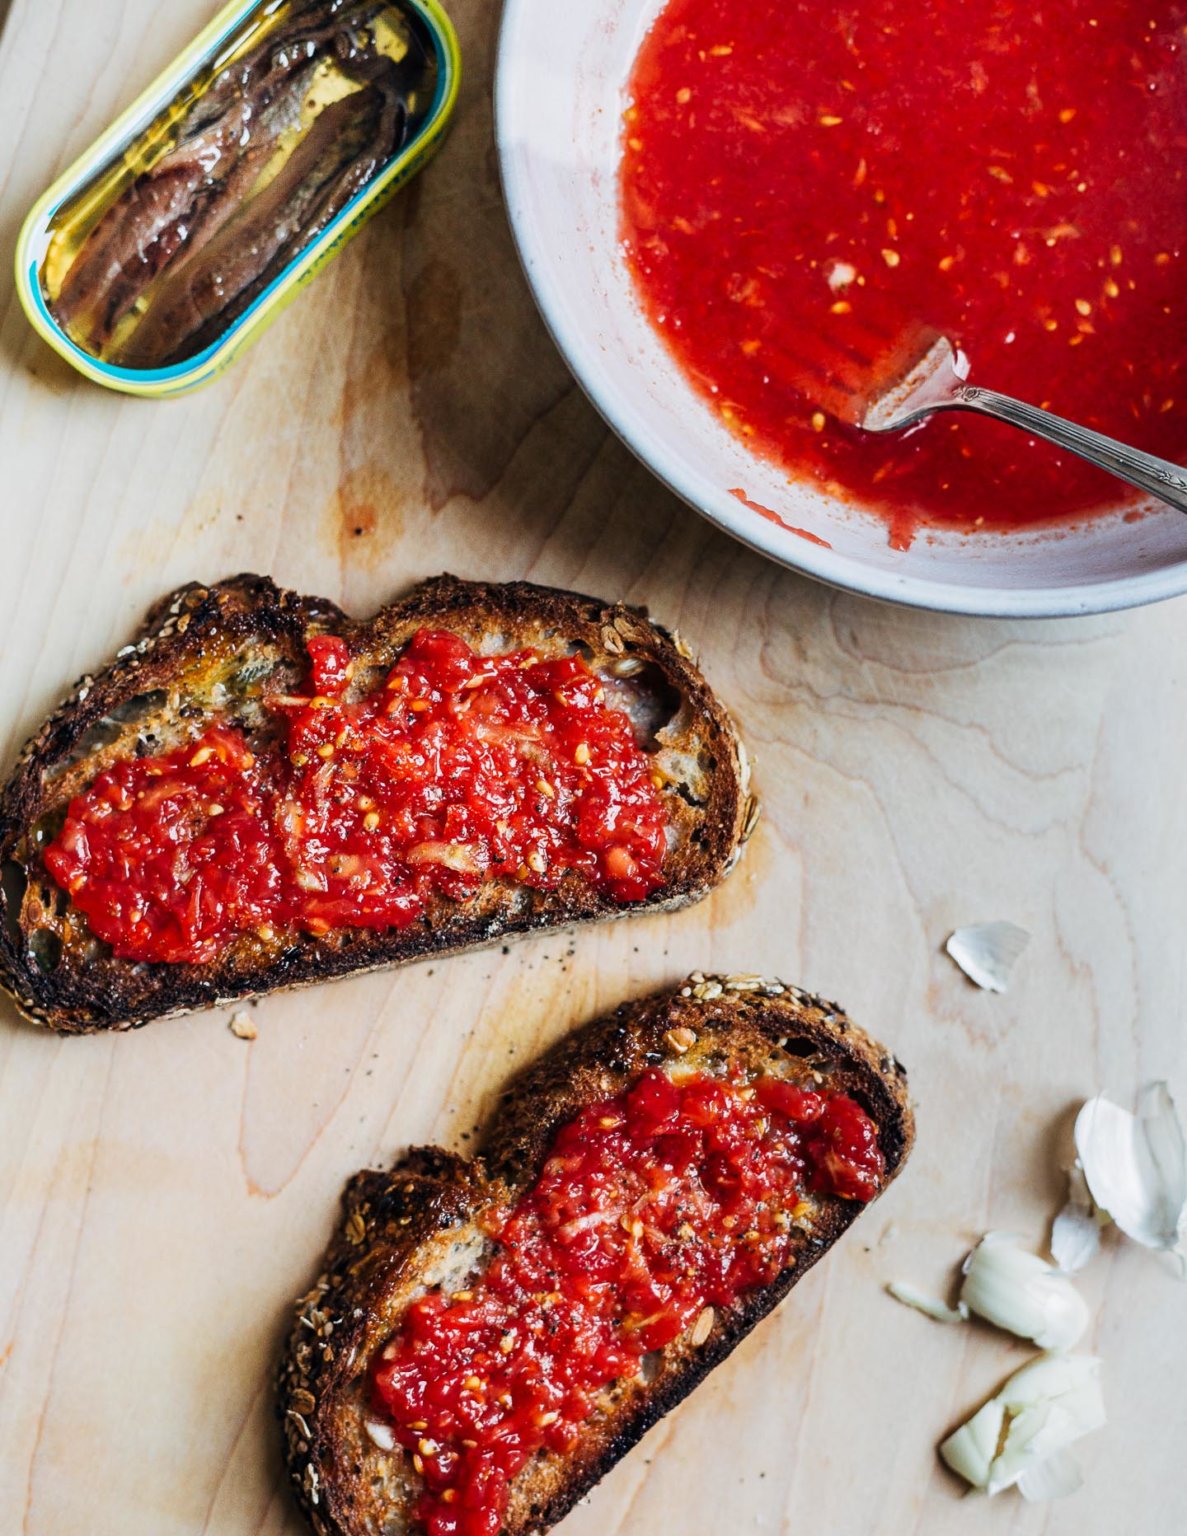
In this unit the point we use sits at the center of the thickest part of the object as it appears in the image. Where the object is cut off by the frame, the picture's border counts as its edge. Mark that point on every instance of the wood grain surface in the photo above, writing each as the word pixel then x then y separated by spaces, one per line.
pixel 164 1195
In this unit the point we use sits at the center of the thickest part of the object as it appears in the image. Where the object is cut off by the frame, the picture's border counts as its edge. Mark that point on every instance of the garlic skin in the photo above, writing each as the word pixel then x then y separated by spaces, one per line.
pixel 1042 1410
pixel 1054 1478
pixel 1020 1292
pixel 1075 1232
pixel 987 952
pixel 1135 1166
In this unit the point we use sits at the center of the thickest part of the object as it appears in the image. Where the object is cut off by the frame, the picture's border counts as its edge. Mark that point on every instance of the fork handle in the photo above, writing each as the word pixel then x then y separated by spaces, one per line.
pixel 1160 477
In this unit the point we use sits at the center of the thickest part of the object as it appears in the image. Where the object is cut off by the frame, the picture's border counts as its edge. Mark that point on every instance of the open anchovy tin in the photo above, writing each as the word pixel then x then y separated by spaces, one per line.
pixel 226 187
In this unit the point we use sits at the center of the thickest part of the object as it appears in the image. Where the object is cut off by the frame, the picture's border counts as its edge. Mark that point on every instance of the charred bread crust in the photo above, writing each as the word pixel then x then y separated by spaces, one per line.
pixel 204 653
pixel 396 1227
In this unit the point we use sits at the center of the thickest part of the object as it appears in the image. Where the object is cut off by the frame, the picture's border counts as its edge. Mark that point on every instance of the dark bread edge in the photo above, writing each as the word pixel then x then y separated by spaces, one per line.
pixel 388 1216
pixel 180 630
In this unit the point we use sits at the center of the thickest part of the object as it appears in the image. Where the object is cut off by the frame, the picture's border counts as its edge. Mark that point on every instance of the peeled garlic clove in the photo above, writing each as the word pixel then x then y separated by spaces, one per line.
pixel 986 952
pixel 1021 1293
pixel 911 1296
pixel 1042 1410
pixel 1024 1425
pixel 1135 1166
pixel 970 1450
pixel 1075 1232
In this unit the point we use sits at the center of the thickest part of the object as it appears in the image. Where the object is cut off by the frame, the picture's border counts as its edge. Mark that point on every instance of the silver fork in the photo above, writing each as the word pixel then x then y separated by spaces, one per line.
pixel 938 382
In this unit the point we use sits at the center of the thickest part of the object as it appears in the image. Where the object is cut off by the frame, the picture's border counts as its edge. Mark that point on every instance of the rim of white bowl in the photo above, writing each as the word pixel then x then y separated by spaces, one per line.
pixel 1109 595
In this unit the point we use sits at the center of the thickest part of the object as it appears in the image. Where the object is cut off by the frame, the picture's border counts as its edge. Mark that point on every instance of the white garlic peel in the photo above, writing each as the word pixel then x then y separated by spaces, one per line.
pixel 1021 1293
pixel 987 952
pixel 1054 1478
pixel 1075 1232
pixel 931 1306
pixel 1042 1410
pixel 1135 1166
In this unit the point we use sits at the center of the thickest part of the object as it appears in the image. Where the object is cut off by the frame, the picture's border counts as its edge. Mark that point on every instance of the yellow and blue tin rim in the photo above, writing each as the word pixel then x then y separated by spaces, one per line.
pixel 187 375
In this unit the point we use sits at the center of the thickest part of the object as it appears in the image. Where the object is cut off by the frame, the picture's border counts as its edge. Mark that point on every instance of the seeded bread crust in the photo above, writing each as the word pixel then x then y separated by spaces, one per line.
pixel 415 1227
pixel 211 653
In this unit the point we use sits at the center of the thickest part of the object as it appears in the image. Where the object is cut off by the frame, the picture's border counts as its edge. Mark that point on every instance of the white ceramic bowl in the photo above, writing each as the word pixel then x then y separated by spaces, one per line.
pixel 560 93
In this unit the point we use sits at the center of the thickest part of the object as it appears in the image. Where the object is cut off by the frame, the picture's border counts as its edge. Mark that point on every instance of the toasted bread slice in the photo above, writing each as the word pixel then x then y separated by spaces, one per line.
pixel 213 655
pixel 418 1227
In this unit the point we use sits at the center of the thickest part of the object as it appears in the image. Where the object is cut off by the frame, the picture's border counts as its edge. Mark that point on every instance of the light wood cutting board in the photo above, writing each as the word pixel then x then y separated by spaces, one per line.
pixel 164 1195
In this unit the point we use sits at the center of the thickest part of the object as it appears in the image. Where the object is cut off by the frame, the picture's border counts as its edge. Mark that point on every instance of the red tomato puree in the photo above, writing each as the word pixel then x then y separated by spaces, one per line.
pixel 460 769
pixel 798 178
pixel 651 1207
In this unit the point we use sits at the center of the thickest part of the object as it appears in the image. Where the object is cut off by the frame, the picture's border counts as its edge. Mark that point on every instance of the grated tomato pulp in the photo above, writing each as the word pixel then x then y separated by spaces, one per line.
pixel 801 181
pixel 461 768
pixel 652 1205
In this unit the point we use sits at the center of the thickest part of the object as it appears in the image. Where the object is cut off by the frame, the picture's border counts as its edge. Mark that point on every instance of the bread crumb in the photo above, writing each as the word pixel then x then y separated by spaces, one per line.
pixel 242 1027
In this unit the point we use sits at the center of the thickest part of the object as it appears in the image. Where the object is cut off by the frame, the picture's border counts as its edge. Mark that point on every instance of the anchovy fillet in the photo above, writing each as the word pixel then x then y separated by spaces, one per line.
pixel 197 201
